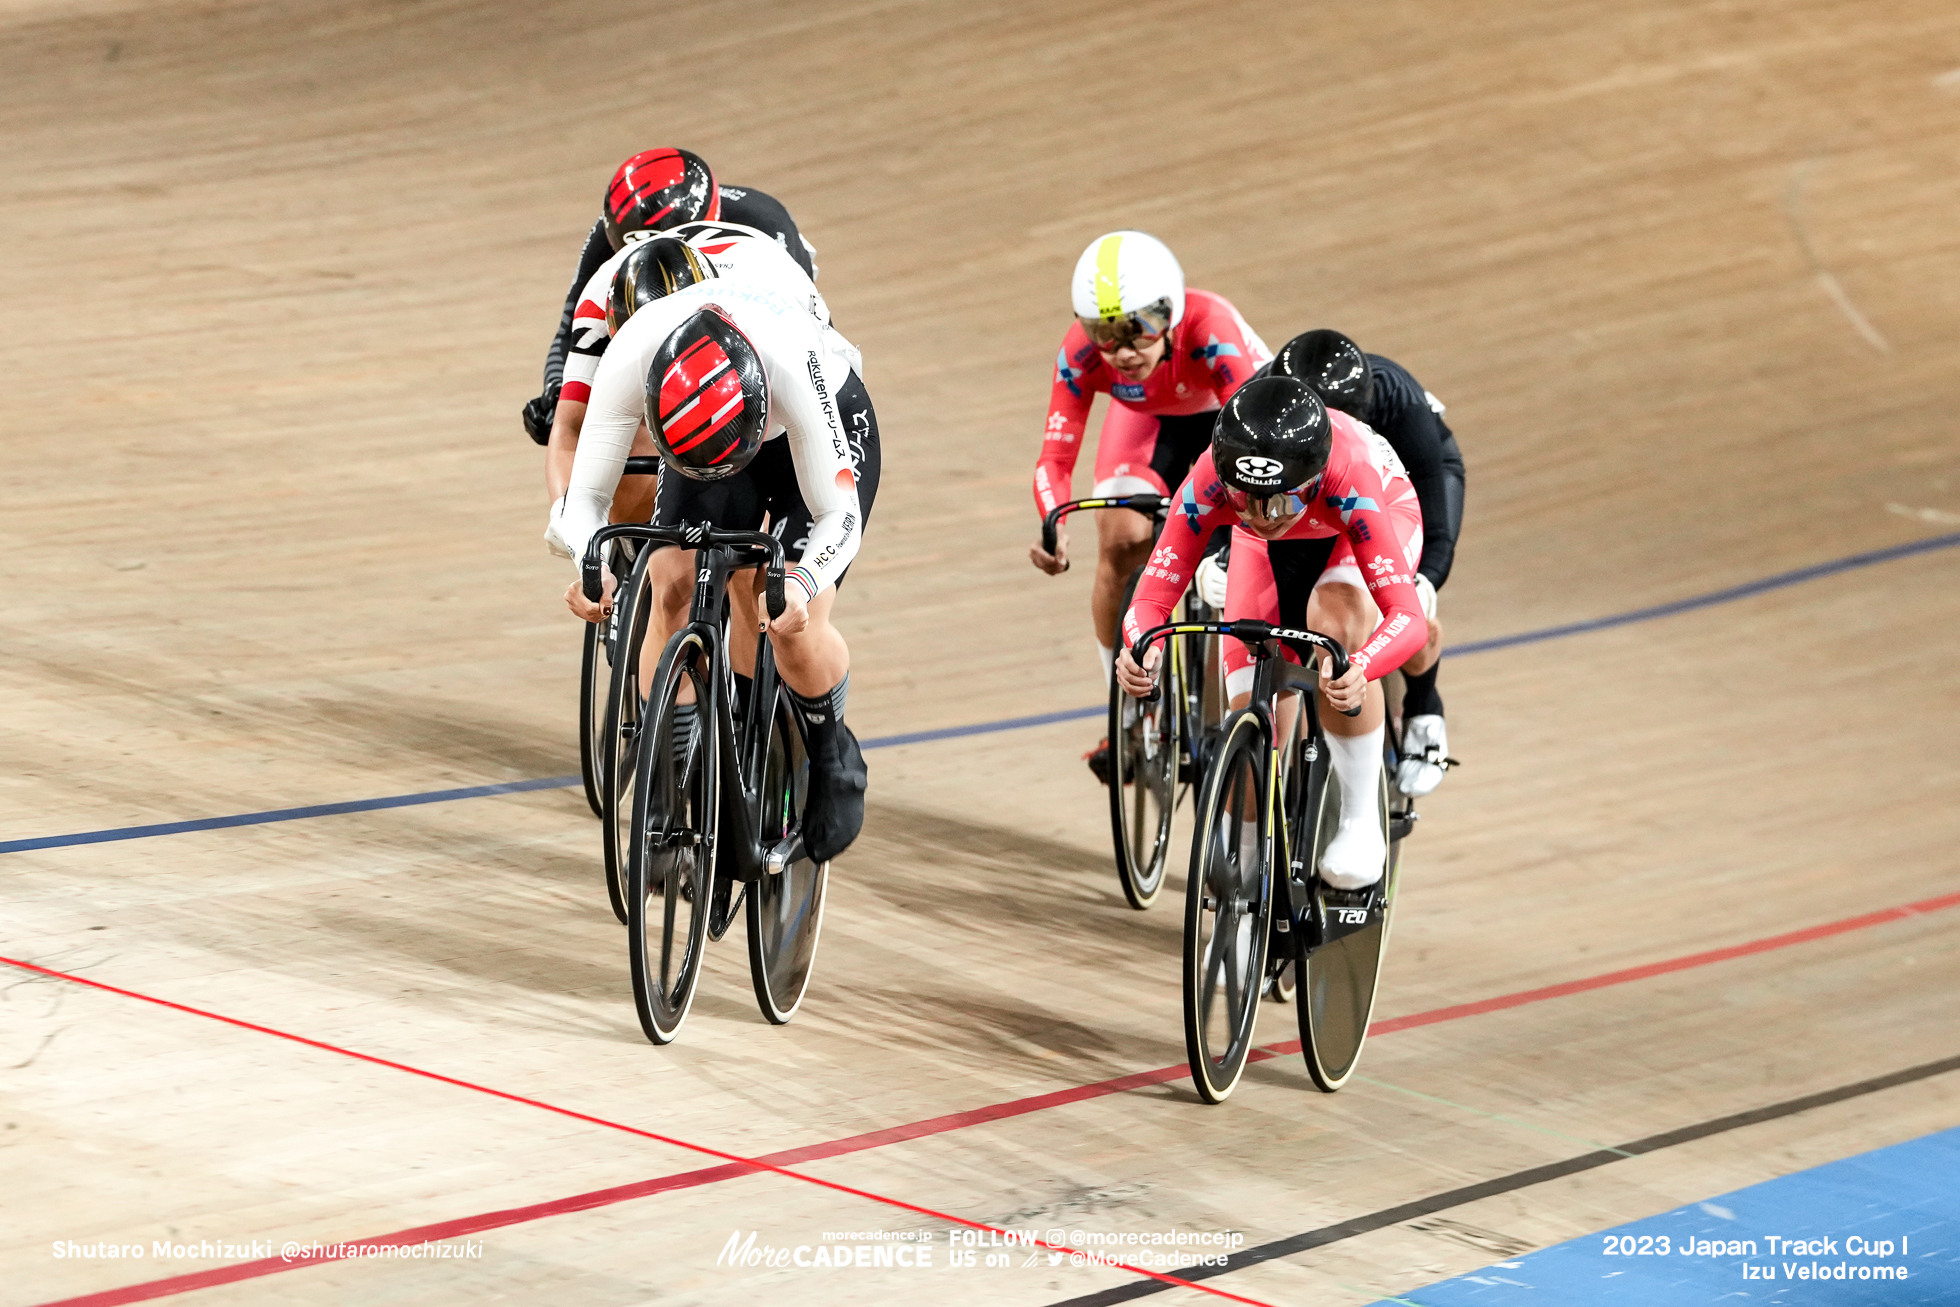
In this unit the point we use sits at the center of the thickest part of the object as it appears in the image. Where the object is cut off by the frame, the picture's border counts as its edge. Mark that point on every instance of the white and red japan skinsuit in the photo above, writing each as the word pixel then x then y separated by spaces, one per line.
pixel 1211 353
pixel 1364 498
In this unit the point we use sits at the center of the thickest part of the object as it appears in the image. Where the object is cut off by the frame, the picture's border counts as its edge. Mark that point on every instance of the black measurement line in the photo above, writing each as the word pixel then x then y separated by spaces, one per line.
pixel 1505 1184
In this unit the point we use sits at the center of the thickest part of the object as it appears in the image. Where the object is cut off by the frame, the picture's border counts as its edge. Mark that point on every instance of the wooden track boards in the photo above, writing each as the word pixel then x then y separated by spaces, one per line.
pixel 1685 275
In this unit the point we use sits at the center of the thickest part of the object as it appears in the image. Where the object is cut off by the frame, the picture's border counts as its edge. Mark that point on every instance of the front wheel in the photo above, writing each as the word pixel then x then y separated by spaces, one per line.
pixel 671 854
pixel 1143 786
pixel 617 737
pixel 785 905
pixel 595 671
pixel 1228 904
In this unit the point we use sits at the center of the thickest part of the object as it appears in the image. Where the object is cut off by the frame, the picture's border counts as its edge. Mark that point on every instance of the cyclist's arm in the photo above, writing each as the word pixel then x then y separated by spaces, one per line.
pixel 1179 546
pixel 605 438
pixel 825 473
pixel 1403 629
pixel 562 448
pixel 1078 369
pixel 596 251
pixel 1418 440
pixel 586 341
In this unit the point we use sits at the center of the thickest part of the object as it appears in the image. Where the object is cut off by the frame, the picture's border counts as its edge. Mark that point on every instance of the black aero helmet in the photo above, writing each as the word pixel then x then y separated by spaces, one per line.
pixel 652 267
pixel 1272 436
pixel 1334 366
pixel 659 188
pixel 707 397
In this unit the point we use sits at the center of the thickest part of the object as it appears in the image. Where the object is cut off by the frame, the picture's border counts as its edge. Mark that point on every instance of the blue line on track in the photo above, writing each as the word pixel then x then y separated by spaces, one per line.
pixel 285 814
pixel 1714 597
pixel 1731 594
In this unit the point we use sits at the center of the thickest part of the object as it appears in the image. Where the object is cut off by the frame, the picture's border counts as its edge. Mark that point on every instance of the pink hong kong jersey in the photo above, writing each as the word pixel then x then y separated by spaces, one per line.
pixel 1212 353
pixel 1363 478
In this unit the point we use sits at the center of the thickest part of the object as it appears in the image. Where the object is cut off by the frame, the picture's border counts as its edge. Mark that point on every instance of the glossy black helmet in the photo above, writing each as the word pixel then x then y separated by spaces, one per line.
pixel 1334 366
pixel 659 188
pixel 652 267
pixel 1272 436
pixel 707 397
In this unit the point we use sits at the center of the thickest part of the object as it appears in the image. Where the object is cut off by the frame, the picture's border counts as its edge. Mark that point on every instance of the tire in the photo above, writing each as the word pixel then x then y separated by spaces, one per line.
pixel 1339 979
pixel 671 855
pixel 595 673
pixel 1144 759
pixel 785 909
pixel 632 605
pixel 1227 912
pixel 1147 766
pixel 595 682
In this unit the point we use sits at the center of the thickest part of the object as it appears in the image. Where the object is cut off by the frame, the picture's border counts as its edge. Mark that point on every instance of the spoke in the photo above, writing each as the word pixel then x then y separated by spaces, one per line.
pixel 1208 990
pixel 1227 940
pixel 668 909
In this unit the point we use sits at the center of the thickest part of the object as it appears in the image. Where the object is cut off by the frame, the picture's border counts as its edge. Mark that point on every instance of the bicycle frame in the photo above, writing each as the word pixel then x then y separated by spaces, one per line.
pixel 720 553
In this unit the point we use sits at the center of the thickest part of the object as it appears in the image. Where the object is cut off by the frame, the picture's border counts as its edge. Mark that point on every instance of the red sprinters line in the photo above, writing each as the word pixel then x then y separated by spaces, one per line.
pixel 1630 974
pixel 246 1270
pixel 469 1225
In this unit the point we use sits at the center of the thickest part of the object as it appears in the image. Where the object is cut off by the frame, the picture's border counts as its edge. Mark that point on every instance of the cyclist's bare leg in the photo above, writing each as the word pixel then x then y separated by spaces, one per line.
pixel 1354 855
pixel 1432 649
pixel 671 573
pixel 1349 615
pixel 810 662
pixel 1122 546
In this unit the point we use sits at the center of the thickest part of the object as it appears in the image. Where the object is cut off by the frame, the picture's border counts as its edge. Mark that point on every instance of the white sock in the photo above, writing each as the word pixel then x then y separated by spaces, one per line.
pixel 1108 663
pixel 1357 761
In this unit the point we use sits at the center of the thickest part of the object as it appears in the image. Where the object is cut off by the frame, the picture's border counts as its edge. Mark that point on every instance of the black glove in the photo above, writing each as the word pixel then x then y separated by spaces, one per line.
pixel 538 414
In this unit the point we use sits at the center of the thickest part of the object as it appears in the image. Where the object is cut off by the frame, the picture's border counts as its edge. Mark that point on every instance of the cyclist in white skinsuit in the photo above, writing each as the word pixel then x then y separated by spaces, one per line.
pixel 737 253
pixel 812 468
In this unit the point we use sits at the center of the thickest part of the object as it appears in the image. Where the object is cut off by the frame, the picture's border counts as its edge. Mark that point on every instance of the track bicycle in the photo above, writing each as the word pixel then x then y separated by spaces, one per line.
pixel 717 795
pixel 1156 748
pixel 1254 901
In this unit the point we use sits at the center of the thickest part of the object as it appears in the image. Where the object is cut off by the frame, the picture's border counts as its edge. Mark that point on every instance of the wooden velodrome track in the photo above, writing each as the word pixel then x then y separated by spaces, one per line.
pixel 279 277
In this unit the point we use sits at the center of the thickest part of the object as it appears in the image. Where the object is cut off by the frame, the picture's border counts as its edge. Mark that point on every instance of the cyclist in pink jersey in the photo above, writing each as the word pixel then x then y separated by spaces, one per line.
pixel 1167 358
pixel 1329 535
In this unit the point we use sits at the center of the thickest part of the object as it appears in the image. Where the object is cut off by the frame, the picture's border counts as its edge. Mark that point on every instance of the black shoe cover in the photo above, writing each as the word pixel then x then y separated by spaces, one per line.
pixel 834 812
pixel 1098 760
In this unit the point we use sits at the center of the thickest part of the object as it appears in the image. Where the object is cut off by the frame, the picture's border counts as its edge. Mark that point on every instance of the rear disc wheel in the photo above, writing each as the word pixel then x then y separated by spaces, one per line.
pixel 785 906
pixel 1340 977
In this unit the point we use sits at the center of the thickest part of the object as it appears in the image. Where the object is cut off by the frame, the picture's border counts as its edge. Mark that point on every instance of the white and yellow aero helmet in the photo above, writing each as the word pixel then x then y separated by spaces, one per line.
pixel 1128 274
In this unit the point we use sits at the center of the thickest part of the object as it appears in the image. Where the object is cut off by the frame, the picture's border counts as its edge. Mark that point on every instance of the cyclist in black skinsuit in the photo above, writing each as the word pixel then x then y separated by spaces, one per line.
pixel 656 189
pixel 1382 393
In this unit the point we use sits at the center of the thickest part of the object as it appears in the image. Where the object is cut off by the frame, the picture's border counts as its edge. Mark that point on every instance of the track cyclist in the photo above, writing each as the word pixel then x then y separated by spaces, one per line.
pixel 1383 394
pixel 1339 522
pixel 648 265
pixel 654 189
pixel 755 409
pixel 1168 357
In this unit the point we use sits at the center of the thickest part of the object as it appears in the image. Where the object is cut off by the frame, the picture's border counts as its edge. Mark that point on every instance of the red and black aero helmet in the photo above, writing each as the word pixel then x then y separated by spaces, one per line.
pixel 707 397
pixel 654 267
pixel 659 188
